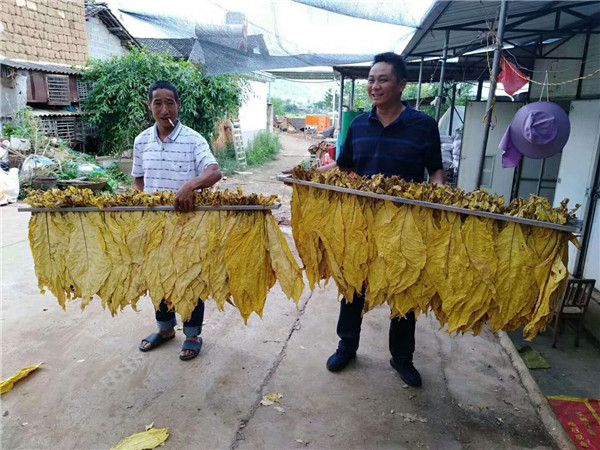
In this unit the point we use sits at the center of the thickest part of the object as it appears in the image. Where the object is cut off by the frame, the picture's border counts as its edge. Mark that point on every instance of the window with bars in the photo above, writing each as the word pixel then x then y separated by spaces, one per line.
pixel 69 129
pixel 83 89
pixel 58 90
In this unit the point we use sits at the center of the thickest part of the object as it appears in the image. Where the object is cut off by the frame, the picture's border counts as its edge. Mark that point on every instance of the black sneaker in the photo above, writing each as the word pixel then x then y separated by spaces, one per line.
pixel 339 360
pixel 407 371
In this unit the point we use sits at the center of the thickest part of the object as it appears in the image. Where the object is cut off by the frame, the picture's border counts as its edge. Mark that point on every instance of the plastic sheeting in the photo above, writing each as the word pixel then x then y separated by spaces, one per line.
pixel 397 13
pixel 238 36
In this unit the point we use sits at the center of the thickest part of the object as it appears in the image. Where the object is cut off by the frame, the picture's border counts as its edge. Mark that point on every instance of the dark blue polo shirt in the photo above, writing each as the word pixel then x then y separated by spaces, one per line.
pixel 405 147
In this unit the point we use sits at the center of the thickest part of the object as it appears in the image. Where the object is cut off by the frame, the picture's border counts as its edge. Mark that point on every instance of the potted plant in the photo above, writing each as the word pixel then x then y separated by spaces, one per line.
pixel 44 178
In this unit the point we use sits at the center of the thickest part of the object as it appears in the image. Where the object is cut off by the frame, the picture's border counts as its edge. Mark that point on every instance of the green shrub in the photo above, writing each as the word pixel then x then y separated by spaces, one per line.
pixel 117 104
pixel 263 148
pixel 227 162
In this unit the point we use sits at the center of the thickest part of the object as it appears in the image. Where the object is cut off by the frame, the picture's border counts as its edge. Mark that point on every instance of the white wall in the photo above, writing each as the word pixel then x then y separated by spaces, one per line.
pixel 578 163
pixel 592 260
pixel 470 155
pixel 563 70
pixel 13 99
pixel 253 113
pixel 102 44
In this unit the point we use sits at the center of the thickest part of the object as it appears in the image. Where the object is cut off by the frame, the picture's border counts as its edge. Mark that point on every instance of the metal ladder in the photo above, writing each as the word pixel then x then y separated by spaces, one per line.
pixel 238 143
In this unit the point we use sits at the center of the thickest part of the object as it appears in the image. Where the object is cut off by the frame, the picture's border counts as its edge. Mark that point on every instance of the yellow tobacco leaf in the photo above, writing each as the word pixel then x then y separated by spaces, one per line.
pixel 8 384
pixel 283 262
pixel 515 281
pixel 87 264
pixel 247 245
pixel 269 399
pixel 146 440
pixel 355 258
pixel 176 258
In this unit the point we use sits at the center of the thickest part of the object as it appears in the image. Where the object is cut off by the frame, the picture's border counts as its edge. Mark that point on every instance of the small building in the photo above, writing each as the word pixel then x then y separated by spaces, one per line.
pixel 44 47
pixel 107 37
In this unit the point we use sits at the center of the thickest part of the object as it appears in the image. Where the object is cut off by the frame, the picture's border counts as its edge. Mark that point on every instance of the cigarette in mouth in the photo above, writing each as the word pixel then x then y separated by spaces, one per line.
pixel 171 122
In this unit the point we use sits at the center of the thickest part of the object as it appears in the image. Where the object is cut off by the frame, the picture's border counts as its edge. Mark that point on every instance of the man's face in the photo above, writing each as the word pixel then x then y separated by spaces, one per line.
pixel 164 107
pixel 383 87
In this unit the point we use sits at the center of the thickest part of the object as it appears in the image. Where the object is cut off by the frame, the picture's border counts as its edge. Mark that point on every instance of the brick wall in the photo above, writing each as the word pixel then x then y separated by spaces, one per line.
pixel 102 43
pixel 44 30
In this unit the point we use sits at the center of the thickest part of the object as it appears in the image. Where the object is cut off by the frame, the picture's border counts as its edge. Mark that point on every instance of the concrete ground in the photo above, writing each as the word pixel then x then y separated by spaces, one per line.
pixel 96 387
pixel 574 370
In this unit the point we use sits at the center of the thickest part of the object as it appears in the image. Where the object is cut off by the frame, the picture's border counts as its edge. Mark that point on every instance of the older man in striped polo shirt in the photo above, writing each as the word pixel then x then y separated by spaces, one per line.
pixel 171 156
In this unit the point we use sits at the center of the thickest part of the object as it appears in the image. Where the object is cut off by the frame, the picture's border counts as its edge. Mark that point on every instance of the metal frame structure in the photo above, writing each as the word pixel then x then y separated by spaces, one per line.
pixel 526 26
pixel 469 31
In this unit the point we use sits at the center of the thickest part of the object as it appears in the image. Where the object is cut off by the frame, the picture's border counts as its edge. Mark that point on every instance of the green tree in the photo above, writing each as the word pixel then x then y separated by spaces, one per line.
pixel 117 104
pixel 278 108
pixel 361 97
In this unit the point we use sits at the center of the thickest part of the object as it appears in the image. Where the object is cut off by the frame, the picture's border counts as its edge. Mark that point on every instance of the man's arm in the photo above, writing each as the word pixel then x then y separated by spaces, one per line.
pixel 184 199
pixel 137 169
pixel 138 183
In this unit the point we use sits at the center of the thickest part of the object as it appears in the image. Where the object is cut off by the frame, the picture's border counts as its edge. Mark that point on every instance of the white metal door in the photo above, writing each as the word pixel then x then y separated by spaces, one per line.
pixel 496 179
pixel 578 161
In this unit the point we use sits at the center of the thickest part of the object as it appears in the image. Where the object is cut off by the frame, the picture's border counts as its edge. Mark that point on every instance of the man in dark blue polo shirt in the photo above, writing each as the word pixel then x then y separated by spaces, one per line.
pixel 392 139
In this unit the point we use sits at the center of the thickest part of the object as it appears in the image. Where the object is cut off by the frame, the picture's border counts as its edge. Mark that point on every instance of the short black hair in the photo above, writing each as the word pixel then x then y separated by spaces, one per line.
pixel 163 85
pixel 396 61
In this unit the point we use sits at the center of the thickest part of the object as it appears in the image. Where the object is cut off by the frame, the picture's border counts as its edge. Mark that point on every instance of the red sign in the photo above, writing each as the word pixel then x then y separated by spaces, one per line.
pixel 581 418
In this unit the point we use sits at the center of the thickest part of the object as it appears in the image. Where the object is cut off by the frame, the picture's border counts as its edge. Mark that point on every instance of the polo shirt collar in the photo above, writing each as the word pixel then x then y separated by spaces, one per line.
pixel 171 137
pixel 402 118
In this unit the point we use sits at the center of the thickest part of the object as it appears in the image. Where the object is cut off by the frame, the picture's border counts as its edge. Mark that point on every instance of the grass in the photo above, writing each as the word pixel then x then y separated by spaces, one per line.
pixel 262 149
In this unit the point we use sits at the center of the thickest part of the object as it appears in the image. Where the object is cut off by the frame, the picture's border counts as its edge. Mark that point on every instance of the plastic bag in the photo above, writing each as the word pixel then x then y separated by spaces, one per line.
pixel 9 186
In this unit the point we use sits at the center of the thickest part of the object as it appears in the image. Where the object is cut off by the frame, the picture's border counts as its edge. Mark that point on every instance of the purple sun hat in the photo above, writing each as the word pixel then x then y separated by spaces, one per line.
pixel 538 130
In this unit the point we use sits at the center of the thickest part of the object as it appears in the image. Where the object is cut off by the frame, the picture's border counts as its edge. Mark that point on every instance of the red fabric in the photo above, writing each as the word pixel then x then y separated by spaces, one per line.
pixel 581 419
pixel 511 78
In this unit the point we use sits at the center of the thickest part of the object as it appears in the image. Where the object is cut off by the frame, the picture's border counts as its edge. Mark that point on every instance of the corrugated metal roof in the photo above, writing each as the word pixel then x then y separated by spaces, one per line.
pixel 41 66
pixel 54 112
pixel 112 23
pixel 470 22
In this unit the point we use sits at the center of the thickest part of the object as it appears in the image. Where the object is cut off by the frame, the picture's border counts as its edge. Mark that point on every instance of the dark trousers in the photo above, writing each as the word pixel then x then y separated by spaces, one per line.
pixel 166 320
pixel 402 330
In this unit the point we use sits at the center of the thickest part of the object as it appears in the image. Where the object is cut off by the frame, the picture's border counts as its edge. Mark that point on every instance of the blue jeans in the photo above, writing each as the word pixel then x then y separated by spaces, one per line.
pixel 402 330
pixel 166 320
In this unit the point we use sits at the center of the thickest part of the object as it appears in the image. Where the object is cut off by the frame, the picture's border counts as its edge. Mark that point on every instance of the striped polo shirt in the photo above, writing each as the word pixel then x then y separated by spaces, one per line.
pixel 404 148
pixel 168 165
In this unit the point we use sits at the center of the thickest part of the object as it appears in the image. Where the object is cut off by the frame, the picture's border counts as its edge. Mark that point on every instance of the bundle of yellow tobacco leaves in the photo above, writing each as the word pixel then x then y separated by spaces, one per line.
pixel 74 197
pixel 469 270
pixel 229 256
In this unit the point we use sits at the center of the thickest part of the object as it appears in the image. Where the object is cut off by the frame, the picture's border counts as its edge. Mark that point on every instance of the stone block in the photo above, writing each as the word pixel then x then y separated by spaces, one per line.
pixel 21 3
pixel 42 9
